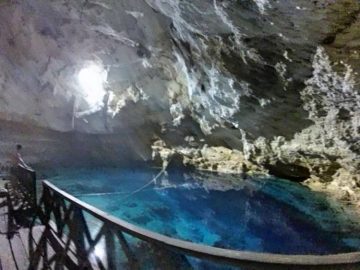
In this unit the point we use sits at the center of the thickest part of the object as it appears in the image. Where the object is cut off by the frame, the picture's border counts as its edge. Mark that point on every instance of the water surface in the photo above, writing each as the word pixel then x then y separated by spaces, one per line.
pixel 258 214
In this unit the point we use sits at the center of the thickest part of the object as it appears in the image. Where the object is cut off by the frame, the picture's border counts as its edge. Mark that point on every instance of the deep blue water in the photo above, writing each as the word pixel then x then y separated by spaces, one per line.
pixel 259 214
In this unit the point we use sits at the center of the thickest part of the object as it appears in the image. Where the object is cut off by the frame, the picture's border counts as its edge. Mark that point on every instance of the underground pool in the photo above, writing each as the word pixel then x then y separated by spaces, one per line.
pixel 254 214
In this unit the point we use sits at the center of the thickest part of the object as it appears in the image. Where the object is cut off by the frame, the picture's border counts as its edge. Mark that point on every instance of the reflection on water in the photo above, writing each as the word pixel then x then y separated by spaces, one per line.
pixel 253 214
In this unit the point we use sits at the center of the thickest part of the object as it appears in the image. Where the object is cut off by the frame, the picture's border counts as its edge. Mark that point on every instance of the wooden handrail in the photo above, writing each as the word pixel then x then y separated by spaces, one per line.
pixel 234 257
pixel 25 182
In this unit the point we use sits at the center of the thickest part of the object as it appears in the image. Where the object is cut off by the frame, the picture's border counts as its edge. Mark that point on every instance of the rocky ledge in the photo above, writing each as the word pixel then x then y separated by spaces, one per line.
pixel 342 185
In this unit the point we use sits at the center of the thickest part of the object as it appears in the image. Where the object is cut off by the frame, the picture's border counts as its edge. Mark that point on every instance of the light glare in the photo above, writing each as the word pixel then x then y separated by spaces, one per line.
pixel 92 79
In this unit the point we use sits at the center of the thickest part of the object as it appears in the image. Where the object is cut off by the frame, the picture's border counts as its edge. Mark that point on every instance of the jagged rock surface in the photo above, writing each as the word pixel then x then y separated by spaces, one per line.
pixel 259 82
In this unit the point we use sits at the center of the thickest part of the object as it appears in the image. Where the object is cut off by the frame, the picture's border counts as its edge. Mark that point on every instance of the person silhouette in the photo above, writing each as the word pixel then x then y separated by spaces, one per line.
pixel 18 160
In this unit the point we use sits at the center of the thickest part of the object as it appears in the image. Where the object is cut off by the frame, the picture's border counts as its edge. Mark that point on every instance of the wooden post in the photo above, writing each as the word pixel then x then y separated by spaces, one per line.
pixel 77 233
pixel 34 195
pixel 129 254
pixel 110 250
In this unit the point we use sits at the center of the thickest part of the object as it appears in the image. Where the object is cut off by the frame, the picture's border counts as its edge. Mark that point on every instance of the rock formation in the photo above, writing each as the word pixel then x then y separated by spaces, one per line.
pixel 233 86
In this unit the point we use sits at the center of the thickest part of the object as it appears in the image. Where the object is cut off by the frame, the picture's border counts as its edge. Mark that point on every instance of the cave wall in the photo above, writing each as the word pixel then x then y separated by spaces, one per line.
pixel 44 45
pixel 46 149
pixel 276 81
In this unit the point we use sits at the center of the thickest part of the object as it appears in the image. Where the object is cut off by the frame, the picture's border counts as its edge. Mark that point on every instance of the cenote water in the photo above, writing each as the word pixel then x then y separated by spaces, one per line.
pixel 257 214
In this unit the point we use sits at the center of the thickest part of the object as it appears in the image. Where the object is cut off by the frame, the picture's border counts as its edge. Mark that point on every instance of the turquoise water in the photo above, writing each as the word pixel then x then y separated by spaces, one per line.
pixel 259 214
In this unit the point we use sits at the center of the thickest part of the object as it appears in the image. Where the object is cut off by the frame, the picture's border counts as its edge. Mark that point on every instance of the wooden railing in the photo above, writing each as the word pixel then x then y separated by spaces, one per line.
pixel 120 245
pixel 23 182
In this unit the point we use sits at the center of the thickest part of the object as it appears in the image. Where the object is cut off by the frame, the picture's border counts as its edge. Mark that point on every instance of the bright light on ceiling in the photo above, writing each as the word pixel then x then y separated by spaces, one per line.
pixel 92 79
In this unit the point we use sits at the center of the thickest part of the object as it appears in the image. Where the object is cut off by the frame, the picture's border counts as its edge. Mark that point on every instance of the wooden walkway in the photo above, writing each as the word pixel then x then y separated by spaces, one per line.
pixel 14 247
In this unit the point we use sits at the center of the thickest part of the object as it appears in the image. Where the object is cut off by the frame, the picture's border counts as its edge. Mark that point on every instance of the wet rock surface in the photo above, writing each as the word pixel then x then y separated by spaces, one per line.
pixel 229 86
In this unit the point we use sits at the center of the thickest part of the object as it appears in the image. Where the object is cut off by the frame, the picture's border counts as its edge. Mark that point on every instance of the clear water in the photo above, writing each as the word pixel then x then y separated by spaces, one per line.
pixel 274 216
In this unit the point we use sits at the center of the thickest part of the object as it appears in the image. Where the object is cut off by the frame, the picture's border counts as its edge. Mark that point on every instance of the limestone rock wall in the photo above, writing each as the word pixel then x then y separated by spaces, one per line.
pixel 45 44
pixel 260 83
